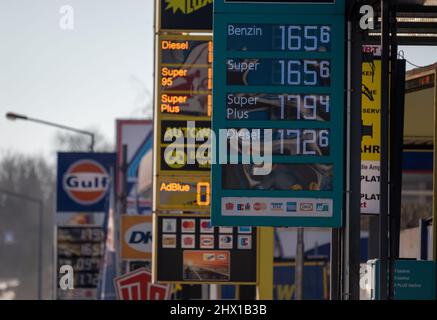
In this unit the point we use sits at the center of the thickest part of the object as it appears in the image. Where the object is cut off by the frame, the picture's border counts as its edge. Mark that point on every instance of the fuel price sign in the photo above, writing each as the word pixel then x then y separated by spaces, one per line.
pixel 279 91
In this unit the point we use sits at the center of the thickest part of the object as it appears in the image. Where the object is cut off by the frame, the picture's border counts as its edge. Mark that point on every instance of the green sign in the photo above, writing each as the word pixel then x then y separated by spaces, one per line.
pixel 278 74
pixel 413 280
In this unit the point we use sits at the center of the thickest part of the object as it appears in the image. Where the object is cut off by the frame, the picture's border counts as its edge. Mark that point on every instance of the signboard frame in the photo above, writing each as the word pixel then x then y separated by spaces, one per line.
pixel 155 271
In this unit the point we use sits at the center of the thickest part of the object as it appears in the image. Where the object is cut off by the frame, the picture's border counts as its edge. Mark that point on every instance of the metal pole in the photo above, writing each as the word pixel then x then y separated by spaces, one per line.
pixel 299 264
pixel 40 250
pixel 383 216
pixel 351 270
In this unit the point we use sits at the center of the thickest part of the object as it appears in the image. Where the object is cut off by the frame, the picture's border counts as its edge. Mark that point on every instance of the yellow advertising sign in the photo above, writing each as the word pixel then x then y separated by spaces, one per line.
pixel 175 193
pixel 136 237
pixel 371 111
pixel 371 136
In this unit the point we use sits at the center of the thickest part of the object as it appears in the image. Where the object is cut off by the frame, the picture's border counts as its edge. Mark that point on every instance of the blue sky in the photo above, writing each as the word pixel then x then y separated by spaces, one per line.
pixel 87 77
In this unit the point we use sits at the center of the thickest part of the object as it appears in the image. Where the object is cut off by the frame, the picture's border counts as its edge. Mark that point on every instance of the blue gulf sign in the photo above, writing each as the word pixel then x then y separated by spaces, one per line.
pixel 84 181
pixel 279 85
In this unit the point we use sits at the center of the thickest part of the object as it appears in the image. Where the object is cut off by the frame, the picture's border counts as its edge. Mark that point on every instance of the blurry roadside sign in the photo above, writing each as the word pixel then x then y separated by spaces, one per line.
pixel 413 279
pixel 136 237
pixel 82 248
pixel 138 136
pixel 184 15
pixel 279 65
pixel 83 181
pixel 137 285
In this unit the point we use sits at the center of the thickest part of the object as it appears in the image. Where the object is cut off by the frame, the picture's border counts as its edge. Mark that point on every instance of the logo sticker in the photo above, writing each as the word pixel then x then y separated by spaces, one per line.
pixel 168 225
pixel 291 206
pixel 205 226
pixel 188 225
pixel 225 241
pixel 207 242
pixel 169 241
pixel 229 206
pixel 244 229
pixel 306 206
pixel 276 206
pixel 259 206
pixel 245 242
pixel 322 207
pixel 188 241
pixel 226 229
pixel 86 182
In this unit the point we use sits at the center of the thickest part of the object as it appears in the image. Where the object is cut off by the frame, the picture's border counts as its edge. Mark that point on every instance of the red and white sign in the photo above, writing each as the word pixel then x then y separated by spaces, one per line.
pixel 86 182
pixel 137 285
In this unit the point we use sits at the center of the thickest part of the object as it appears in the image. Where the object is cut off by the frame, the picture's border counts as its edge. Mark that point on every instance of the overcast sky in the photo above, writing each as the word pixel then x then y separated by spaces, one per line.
pixel 87 77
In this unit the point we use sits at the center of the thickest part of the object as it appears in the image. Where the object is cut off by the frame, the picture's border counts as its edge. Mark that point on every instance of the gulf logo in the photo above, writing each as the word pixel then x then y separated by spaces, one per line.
pixel 86 182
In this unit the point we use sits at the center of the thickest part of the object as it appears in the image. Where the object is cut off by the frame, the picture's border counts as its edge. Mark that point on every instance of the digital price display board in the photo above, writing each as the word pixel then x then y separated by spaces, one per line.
pixel 189 250
pixel 184 85
pixel 81 248
pixel 184 72
pixel 279 77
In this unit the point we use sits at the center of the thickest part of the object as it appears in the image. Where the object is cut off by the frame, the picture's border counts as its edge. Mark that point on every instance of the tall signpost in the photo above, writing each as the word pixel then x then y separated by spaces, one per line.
pixel 278 75
pixel 187 249
pixel 281 70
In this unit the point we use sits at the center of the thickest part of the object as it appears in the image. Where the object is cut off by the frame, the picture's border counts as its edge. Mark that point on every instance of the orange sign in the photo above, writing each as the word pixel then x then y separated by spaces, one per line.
pixel 136 237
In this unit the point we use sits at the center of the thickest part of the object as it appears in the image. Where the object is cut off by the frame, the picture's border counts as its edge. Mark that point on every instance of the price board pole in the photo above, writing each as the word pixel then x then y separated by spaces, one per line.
pixel 264 289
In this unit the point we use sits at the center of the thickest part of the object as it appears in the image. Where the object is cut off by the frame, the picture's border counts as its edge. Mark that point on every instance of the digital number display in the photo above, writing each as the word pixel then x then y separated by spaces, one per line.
pixel 86 279
pixel 81 234
pixel 265 106
pixel 278 37
pixel 82 248
pixel 284 176
pixel 291 142
pixel 278 72
pixel 199 105
pixel 81 264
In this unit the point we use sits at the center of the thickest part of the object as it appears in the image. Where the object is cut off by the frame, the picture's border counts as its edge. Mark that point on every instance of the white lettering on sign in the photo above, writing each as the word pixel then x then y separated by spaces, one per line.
pixel 253 31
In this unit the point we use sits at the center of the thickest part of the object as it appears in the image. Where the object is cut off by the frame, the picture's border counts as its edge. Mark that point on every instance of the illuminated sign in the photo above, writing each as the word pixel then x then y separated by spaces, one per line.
pixel 183 193
pixel 185 77
pixel 279 76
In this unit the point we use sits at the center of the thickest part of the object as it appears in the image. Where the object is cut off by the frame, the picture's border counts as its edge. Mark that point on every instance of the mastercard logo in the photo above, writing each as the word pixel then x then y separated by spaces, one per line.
pixel 86 182
pixel 188 224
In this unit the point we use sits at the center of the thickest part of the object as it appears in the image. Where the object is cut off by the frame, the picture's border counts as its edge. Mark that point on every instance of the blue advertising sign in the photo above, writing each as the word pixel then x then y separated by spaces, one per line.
pixel 83 181
pixel 278 101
